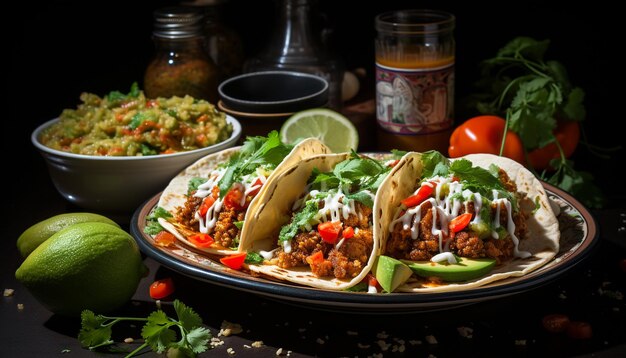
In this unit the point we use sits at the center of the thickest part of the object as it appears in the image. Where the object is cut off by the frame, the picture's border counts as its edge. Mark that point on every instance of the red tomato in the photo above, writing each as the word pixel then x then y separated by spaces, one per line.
pixel 483 134
pixel 329 231
pixel 161 288
pixel 579 330
pixel 316 258
pixel 164 238
pixel 460 222
pixel 568 135
pixel 254 192
pixel 232 200
pixel 201 240
pixel 348 232
pixel 422 194
pixel 234 261
pixel 555 323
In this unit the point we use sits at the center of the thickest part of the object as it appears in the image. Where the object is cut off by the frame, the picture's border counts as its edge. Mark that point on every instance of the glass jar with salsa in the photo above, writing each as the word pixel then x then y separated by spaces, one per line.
pixel 181 66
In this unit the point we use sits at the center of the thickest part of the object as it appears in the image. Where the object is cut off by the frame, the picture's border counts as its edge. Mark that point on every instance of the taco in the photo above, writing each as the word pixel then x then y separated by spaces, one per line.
pixel 466 222
pixel 315 226
pixel 211 200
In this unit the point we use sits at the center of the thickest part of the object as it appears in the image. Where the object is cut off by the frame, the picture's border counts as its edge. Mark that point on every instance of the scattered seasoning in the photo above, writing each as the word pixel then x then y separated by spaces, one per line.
pixel 20 306
pixel 320 341
pixel 520 342
pixel 562 295
pixel 415 342
pixel 128 340
pixel 301 330
pixel 216 342
pixel 230 351
pixel 352 333
pixel 431 339
pixel 279 351
pixel 382 335
pixel 229 328
pixel 257 344
pixel 247 346
pixel 384 346
pixel 363 346
pixel 398 340
pixel 8 292
pixel 65 350
pixel 288 353
pixel 465 332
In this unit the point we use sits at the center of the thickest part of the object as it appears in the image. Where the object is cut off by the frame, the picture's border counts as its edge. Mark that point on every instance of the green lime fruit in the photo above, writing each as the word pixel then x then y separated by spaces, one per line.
pixel 41 231
pixel 95 266
pixel 332 128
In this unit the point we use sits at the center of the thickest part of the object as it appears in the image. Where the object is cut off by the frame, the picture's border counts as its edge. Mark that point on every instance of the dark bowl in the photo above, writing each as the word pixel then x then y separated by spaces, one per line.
pixel 273 92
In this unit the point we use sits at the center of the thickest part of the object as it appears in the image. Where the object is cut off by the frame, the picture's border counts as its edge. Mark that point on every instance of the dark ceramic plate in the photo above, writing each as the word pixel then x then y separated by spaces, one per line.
pixel 578 236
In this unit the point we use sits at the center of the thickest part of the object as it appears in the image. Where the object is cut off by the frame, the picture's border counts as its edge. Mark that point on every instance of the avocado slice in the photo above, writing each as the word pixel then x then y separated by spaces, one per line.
pixel 465 269
pixel 391 273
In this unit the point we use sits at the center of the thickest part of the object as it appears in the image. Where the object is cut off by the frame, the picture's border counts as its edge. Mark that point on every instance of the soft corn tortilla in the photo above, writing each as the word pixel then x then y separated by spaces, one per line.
pixel 275 211
pixel 543 227
pixel 175 194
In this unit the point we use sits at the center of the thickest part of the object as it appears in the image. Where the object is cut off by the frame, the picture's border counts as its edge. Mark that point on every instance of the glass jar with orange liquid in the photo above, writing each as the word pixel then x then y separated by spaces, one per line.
pixel 414 79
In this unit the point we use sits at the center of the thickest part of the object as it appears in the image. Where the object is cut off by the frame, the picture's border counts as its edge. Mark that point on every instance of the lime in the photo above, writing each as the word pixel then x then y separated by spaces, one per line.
pixel 92 265
pixel 332 128
pixel 41 231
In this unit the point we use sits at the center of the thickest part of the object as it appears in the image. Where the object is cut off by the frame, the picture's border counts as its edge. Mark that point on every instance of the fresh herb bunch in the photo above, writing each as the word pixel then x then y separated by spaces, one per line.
pixel 158 331
pixel 533 94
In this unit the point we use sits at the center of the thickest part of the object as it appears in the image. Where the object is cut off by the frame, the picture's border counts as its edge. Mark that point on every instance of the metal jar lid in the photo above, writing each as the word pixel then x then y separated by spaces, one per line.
pixel 177 22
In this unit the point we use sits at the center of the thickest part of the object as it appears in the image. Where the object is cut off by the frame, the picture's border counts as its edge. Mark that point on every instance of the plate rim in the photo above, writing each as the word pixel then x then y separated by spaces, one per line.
pixel 314 297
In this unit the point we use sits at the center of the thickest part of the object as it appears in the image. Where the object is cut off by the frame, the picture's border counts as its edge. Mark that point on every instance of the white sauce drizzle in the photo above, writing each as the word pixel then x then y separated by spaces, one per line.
pixel 371 289
pixel 287 246
pixel 444 256
pixel 268 255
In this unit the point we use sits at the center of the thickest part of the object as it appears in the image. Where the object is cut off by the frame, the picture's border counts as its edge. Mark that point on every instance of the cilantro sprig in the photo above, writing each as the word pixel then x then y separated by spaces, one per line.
pixel 152 224
pixel 532 93
pixel 256 151
pixel 159 331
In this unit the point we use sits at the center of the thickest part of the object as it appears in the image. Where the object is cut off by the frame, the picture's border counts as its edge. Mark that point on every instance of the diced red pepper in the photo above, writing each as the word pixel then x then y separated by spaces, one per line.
pixel 161 288
pixel 234 261
pixel 201 240
pixel 329 231
pixel 422 194
pixel 460 222
pixel 316 258
pixel 164 239
pixel 393 164
pixel 348 232
pixel 373 282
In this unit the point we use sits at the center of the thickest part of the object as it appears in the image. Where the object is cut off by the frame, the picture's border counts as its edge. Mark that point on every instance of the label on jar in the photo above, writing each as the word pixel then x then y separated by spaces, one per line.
pixel 414 101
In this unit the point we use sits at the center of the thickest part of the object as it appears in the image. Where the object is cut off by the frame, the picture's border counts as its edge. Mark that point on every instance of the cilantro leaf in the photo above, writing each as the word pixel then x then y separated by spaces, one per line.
pixel 152 224
pixel 397 154
pixel 194 183
pixel 301 218
pixel 116 97
pixel 93 332
pixel 254 258
pixel 256 151
pixel 430 160
pixel 476 178
pixel 364 196
pixel 526 47
pixel 574 108
pixel 198 339
pixel 157 332
pixel 187 317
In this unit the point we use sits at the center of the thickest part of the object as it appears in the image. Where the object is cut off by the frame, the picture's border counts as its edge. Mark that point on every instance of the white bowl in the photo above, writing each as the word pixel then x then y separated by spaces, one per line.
pixel 118 184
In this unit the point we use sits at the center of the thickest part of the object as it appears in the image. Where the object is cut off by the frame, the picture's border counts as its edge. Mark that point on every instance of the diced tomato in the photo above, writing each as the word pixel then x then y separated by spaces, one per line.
pixel 202 118
pixel 201 240
pixel 254 192
pixel 232 200
pixel 348 232
pixel 373 282
pixel 161 288
pixel 146 125
pixel 234 261
pixel 393 164
pixel 460 222
pixel 422 194
pixel 316 258
pixel 329 231
pixel 579 330
pixel 151 103
pixel 207 203
pixel 164 239
pixel 555 323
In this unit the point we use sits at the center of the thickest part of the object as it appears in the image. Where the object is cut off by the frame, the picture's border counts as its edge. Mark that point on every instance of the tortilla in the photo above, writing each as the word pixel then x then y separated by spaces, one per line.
pixel 175 194
pixel 543 233
pixel 275 211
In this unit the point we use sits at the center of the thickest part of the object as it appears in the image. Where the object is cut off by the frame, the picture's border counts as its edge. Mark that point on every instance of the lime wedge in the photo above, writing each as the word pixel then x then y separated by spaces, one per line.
pixel 332 128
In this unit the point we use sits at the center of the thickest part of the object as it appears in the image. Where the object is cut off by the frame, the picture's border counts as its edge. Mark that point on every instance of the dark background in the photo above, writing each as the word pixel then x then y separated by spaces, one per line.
pixel 62 48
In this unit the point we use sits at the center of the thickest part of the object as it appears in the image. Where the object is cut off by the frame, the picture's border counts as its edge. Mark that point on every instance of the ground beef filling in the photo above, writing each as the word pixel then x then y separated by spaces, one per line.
pixel 225 233
pixel 345 262
pixel 463 243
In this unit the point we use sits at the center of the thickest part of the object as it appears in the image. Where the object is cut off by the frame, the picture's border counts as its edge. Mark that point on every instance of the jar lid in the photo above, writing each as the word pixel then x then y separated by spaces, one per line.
pixel 177 22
